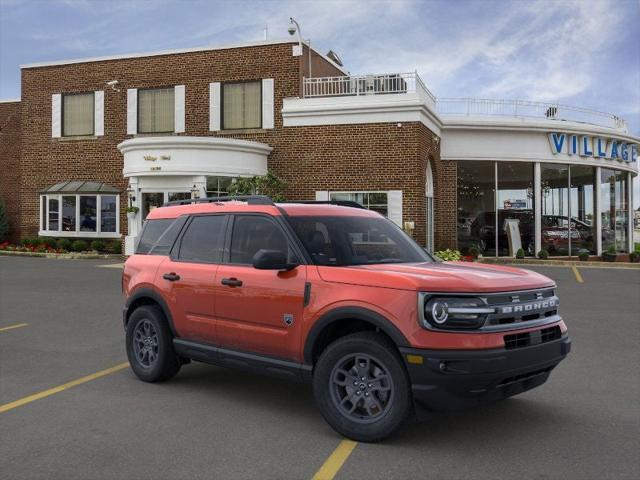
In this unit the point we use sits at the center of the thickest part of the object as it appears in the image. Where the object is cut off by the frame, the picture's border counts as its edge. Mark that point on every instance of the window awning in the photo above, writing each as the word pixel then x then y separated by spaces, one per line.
pixel 81 186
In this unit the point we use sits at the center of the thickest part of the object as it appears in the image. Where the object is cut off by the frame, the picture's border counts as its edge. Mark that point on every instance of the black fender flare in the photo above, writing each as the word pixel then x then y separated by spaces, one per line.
pixel 153 295
pixel 351 313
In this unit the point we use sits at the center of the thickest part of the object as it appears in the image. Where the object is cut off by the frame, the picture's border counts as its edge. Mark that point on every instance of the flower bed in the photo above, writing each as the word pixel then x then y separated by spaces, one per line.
pixel 48 245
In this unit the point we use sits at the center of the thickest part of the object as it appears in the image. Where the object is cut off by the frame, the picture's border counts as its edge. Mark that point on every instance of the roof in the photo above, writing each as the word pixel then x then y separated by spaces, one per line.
pixel 81 186
pixel 173 52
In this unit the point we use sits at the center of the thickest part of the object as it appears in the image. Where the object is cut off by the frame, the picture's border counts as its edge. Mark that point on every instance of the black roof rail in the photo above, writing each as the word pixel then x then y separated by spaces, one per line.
pixel 250 199
pixel 342 203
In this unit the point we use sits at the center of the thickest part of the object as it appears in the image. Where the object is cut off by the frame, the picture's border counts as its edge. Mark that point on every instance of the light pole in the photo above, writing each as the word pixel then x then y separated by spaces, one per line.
pixel 294 27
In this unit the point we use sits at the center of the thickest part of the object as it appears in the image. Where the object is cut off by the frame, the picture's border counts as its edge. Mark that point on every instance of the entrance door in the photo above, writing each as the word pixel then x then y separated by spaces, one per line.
pixel 259 310
pixel 151 200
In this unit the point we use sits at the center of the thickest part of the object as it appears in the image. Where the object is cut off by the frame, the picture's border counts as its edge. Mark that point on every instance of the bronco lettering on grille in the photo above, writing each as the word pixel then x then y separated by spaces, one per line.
pixel 528 307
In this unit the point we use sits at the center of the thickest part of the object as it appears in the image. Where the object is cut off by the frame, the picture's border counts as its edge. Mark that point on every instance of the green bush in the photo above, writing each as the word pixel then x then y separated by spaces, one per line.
pixel 47 242
pixel 634 257
pixel 449 255
pixel 64 244
pixel 114 246
pixel 543 254
pixel 98 245
pixel 520 253
pixel 611 250
pixel 79 246
pixel 583 256
pixel 29 242
pixel 4 222
pixel 474 252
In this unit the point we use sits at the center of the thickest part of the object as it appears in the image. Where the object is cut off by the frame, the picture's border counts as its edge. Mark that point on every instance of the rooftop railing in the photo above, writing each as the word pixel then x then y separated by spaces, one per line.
pixel 528 109
pixel 402 83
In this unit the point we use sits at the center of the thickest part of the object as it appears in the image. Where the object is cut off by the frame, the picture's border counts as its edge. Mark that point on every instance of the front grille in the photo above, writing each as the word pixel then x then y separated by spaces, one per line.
pixel 518 307
pixel 519 340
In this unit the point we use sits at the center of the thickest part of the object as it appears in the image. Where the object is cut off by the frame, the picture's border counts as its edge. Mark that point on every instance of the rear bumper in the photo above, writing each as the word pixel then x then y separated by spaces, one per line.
pixel 453 379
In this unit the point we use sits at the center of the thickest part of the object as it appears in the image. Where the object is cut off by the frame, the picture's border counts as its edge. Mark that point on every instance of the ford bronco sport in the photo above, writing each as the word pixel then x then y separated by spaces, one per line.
pixel 337 296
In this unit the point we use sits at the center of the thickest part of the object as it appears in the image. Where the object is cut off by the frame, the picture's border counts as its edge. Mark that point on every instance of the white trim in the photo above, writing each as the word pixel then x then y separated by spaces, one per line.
pixel 322 195
pixel 598 211
pixel 537 207
pixel 172 52
pixel 179 100
pixel 630 212
pixel 56 115
pixel 47 233
pixel 394 206
pixel 214 107
pixel 98 113
pixel 9 100
pixel 268 114
pixel 132 111
pixel 77 233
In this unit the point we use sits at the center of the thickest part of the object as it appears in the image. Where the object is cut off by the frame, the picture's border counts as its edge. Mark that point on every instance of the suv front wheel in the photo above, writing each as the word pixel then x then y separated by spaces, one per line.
pixel 361 387
pixel 149 345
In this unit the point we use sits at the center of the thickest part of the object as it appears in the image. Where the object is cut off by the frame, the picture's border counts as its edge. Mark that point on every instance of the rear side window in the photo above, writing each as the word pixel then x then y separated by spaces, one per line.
pixel 203 241
pixel 151 232
pixel 168 238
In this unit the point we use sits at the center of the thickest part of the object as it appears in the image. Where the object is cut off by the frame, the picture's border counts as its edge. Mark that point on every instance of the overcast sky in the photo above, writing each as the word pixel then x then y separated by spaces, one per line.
pixel 579 52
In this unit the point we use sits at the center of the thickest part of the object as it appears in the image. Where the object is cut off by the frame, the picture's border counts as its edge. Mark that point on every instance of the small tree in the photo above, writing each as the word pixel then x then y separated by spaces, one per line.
pixel 269 185
pixel 4 222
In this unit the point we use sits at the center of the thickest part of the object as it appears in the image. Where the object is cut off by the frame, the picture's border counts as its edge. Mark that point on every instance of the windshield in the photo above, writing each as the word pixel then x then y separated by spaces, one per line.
pixel 345 241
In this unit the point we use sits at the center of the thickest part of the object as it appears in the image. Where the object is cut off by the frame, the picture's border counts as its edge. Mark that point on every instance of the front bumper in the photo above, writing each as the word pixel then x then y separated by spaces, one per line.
pixel 454 379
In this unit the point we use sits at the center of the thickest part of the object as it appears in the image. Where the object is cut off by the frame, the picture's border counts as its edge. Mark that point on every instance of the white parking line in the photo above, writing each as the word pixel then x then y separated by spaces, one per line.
pixel 111 265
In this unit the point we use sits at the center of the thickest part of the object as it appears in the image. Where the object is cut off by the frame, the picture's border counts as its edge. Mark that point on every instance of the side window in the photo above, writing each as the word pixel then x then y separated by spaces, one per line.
pixel 151 232
pixel 204 239
pixel 252 233
pixel 167 239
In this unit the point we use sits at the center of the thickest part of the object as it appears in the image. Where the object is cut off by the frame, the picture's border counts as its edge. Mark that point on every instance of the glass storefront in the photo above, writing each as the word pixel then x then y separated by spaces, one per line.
pixel 496 208
pixel 614 209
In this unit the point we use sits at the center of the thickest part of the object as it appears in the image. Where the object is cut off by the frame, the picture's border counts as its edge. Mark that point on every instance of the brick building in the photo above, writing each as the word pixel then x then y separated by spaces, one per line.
pixel 90 137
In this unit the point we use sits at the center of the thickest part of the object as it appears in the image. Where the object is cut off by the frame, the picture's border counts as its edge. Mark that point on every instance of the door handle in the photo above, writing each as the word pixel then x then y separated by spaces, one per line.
pixel 231 282
pixel 172 277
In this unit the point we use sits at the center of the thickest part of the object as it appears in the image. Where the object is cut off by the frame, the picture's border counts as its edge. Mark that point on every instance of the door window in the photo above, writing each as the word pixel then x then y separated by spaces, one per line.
pixel 252 233
pixel 203 241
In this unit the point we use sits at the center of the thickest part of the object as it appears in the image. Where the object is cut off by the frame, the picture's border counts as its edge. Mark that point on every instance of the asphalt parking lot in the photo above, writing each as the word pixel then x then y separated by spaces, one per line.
pixel 220 424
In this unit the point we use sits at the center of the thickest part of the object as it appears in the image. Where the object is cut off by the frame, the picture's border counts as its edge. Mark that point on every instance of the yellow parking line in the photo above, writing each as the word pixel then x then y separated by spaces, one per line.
pixel 11 327
pixel 37 396
pixel 577 274
pixel 335 461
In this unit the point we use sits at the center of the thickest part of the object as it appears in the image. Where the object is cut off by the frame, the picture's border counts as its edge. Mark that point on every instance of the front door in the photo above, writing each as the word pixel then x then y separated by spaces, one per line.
pixel 259 310
pixel 187 279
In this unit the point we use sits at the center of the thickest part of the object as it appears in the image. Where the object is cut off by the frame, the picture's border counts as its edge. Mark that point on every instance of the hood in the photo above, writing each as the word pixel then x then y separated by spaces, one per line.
pixel 459 277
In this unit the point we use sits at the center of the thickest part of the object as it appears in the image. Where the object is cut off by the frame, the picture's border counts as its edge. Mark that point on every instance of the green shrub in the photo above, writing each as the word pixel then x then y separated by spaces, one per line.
pixel 113 247
pixel 79 246
pixel 520 253
pixel 474 252
pixel 64 244
pixel 29 242
pixel 98 245
pixel 543 254
pixel 634 257
pixel 47 242
pixel 583 256
pixel 611 250
pixel 449 255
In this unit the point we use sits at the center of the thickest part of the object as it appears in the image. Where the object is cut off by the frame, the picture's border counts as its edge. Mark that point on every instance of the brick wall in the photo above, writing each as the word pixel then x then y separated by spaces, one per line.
pixel 10 163
pixel 341 157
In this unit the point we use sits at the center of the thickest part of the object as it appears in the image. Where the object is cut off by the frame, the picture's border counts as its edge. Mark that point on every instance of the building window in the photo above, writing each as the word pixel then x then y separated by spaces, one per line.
pixel 241 105
pixel 376 201
pixel 75 215
pixel 78 114
pixel 477 207
pixel 614 210
pixel 219 186
pixel 156 110
pixel 515 208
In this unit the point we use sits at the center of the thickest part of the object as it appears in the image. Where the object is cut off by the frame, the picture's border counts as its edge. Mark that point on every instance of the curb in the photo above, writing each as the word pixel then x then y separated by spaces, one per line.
pixel 65 256
pixel 561 263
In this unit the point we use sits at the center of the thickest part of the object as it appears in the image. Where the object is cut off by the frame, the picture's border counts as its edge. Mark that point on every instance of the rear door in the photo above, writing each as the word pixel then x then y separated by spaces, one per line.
pixel 259 311
pixel 187 277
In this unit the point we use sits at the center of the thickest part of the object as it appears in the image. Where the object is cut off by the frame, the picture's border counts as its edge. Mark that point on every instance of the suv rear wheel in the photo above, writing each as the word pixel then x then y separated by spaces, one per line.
pixel 149 345
pixel 361 387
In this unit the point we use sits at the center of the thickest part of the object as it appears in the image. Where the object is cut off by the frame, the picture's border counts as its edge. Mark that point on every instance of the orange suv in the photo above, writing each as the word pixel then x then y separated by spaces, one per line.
pixel 336 295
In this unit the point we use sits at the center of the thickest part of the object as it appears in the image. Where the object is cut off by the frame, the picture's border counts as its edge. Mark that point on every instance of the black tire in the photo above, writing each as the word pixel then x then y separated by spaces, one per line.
pixel 150 345
pixel 388 401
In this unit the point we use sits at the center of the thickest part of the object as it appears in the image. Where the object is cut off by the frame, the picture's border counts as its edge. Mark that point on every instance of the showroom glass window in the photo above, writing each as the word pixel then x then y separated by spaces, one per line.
pixel 614 209
pixel 554 219
pixel 219 186
pixel 156 110
pixel 516 224
pixel 376 201
pixel 581 204
pixel 241 105
pixel 477 206
pixel 80 215
pixel 77 114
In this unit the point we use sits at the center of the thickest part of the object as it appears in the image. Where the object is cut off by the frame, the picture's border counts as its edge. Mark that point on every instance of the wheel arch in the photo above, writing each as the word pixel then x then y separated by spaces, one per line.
pixel 147 296
pixel 325 325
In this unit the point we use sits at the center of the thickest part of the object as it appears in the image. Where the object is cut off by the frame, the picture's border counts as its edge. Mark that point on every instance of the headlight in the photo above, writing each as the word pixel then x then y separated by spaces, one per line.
pixel 455 312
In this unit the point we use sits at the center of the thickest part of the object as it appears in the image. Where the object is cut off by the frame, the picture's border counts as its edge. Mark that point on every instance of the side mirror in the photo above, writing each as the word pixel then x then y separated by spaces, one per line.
pixel 272 260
